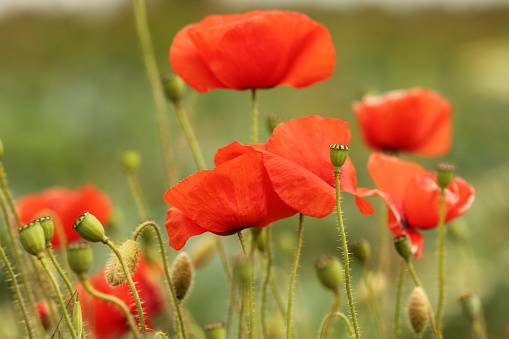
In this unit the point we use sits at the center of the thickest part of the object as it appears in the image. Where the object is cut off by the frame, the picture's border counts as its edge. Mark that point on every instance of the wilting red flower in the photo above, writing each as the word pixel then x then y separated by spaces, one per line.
pixel 105 320
pixel 65 205
pixel 254 50
pixel 412 196
pixel 416 120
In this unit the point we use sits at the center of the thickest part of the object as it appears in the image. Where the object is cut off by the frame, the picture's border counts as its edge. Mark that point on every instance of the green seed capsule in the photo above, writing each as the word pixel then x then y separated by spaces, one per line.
pixel 31 237
pixel 80 257
pixel 89 228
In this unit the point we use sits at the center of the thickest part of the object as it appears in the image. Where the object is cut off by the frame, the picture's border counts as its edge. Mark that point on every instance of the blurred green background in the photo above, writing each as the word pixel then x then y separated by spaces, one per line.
pixel 74 94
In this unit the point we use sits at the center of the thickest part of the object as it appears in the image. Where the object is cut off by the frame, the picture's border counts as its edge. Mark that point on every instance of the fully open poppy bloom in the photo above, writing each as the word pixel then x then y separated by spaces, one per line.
pixel 416 120
pixel 254 50
pixel 412 196
pixel 65 205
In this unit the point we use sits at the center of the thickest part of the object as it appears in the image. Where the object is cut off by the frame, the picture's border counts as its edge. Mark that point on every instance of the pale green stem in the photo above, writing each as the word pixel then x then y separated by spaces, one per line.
pixel 231 306
pixel 134 292
pixel 176 304
pixel 478 329
pixel 399 294
pixel 266 281
pixel 342 317
pixel 59 298
pixel 114 300
pixel 241 311
pixel 59 269
pixel 135 189
pixel 374 304
pixel 157 89
pixel 413 274
pixel 431 317
pixel 190 136
pixel 441 260
pixel 254 117
pixel 346 260
pixel 250 292
pixel 326 326
pixel 17 292
pixel 293 277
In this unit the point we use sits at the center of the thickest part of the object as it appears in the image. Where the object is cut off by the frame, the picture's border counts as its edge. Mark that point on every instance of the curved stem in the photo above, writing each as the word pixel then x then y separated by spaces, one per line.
pixel 134 292
pixel 346 260
pixel 413 274
pixel 242 242
pixel 154 226
pixel 59 298
pixel 441 260
pixel 190 136
pixel 114 300
pixel 399 294
pixel 326 326
pixel 254 117
pixel 374 304
pixel 342 317
pixel 59 270
pixel 294 276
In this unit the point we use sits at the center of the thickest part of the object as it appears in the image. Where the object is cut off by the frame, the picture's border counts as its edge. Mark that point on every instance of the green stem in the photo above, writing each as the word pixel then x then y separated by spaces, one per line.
pixel 293 277
pixel 62 241
pixel 142 227
pixel 266 281
pixel 134 292
pixel 114 300
pixel 413 274
pixel 59 270
pixel 346 260
pixel 254 117
pixel 190 136
pixel 326 326
pixel 59 298
pixel 241 311
pixel 157 89
pixel 19 298
pixel 135 189
pixel 399 294
pixel 342 317
pixel 478 329
pixel 441 260
pixel 250 292
pixel 374 304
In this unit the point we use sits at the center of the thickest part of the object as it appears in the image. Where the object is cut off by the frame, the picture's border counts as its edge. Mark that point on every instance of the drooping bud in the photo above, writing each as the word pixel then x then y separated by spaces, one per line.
pixel 48 227
pixel 338 155
pixel 471 306
pixel 404 247
pixel 80 257
pixel 272 121
pixel 418 310
pixel 182 275
pixel 31 237
pixel 330 272
pixel 215 330
pixel 115 274
pixel 160 335
pixel 202 251
pixel 243 268
pixel 174 87
pixel 89 228
pixel 130 161
pixel 361 249
pixel 445 173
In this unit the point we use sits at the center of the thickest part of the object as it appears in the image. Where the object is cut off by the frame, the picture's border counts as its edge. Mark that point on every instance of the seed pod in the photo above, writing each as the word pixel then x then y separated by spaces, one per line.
pixel 160 335
pixel 215 330
pixel 49 229
pixel 471 306
pixel 418 310
pixel 182 275
pixel 445 173
pixel 80 257
pixel 338 154
pixel 403 246
pixel 31 237
pixel 130 161
pixel 361 250
pixel 115 274
pixel 330 272
pixel 89 228
pixel 174 86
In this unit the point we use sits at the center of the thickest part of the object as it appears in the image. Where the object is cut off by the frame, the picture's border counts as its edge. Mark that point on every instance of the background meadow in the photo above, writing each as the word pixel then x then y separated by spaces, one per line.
pixel 74 94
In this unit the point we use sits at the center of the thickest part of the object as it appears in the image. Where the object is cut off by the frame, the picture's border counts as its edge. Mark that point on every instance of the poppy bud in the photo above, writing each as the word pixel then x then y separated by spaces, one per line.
pixel 49 229
pixel 115 274
pixel 243 268
pixel 31 237
pixel 403 246
pixel 80 257
pixel 174 87
pixel 215 330
pixel 471 306
pixel 272 121
pixel 89 228
pixel 445 173
pixel 338 154
pixel 329 271
pixel 182 275
pixel 202 251
pixel 418 310
pixel 160 335
pixel 361 250
pixel 130 161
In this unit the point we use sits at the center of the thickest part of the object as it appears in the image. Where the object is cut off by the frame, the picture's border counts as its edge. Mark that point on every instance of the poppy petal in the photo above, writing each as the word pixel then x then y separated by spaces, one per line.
pixel 180 228
pixel 417 241
pixel 177 195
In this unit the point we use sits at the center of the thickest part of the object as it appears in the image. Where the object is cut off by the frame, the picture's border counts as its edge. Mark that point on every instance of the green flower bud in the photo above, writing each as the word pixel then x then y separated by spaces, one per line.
pixel 89 228
pixel 48 227
pixel 272 121
pixel 361 250
pixel 418 310
pixel 338 155
pixel 445 173
pixel 215 330
pixel 130 161
pixel 243 268
pixel 80 257
pixel 330 272
pixel 31 237
pixel 174 87
pixel 404 247
pixel 182 275
pixel 471 306
pixel 115 274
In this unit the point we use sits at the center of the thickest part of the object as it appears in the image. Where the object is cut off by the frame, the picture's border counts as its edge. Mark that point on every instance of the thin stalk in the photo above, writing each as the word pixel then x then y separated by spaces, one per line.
pixel 59 270
pixel 342 317
pixel 279 299
pixel 341 229
pixel 134 292
pixel 254 117
pixel 478 329
pixel 147 48
pixel 62 240
pixel 17 292
pixel 242 242
pixel 374 304
pixel 399 294
pixel 326 326
pixel 135 189
pixel 413 274
pixel 190 136
pixel 266 281
pixel 231 306
pixel 441 260
pixel 154 226
pixel 293 277
pixel 114 300
pixel 250 292
pixel 59 298
pixel 241 311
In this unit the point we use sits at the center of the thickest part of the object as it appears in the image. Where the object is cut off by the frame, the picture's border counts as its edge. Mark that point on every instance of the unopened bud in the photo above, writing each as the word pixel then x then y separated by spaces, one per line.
pixel 80 257
pixel 471 306
pixel 361 249
pixel 182 275
pixel 130 161
pixel 418 310
pixel 49 229
pixel 404 247
pixel 243 268
pixel 174 86
pixel 445 173
pixel 202 251
pixel 215 330
pixel 115 274
pixel 272 121
pixel 31 237
pixel 338 154
pixel 160 335
pixel 89 228
pixel 330 272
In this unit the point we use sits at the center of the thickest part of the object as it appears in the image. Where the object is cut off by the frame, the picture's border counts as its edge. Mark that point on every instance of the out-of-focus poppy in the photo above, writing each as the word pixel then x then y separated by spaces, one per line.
pixel 65 205
pixel 416 120
pixel 412 196
pixel 254 50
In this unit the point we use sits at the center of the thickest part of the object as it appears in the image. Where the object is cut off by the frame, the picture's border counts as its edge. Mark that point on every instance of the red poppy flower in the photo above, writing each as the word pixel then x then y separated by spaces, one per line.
pixel 416 120
pixel 412 196
pixel 254 50
pixel 105 320
pixel 65 205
